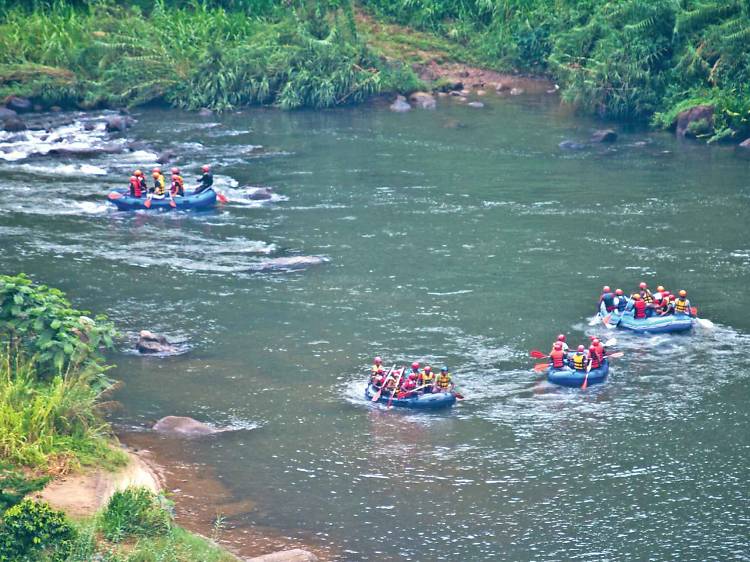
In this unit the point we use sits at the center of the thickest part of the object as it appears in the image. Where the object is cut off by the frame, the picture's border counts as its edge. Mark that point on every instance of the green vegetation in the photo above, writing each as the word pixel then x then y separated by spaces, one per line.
pixel 51 380
pixel 135 512
pixel 634 59
pixel 189 54
pixel 33 531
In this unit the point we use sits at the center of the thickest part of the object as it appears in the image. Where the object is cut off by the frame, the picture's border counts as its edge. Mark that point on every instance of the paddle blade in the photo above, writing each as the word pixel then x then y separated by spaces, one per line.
pixel 172 204
pixel 541 367
pixel 585 382
pixel 376 396
pixel 458 395
pixel 114 195
pixel 615 355
pixel 606 319
pixel 147 203
pixel 693 311
pixel 536 354
pixel 222 198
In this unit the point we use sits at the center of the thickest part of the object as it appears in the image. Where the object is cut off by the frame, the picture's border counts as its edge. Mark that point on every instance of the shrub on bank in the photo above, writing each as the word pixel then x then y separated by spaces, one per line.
pixel 134 512
pixel 31 531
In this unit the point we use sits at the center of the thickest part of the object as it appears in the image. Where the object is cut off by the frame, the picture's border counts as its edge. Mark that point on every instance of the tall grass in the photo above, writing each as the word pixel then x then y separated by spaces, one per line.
pixel 50 424
pixel 195 55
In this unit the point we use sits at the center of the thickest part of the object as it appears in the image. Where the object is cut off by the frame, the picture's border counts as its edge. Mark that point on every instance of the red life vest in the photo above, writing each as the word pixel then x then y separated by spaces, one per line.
pixel 558 358
pixel 640 309
pixel 595 358
pixel 135 186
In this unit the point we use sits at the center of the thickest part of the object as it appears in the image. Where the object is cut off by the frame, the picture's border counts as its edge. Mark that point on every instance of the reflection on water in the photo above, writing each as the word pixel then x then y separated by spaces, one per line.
pixel 467 245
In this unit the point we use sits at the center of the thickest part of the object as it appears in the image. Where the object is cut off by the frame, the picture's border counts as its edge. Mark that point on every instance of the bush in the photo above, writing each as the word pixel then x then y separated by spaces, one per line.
pixel 14 485
pixel 134 512
pixel 32 531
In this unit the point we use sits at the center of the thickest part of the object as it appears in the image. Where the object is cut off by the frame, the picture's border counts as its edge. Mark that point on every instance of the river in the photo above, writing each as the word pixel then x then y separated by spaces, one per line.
pixel 463 237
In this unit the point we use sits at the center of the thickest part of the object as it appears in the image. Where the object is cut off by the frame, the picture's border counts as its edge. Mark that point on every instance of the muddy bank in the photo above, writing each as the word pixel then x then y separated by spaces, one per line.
pixel 200 497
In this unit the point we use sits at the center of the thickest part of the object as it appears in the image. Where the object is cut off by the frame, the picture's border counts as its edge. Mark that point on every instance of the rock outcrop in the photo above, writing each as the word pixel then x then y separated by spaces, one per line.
pixel 423 100
pixel 604 135
pixel 118 123
pixel 400 105
pixel 149 342
pixel 695 114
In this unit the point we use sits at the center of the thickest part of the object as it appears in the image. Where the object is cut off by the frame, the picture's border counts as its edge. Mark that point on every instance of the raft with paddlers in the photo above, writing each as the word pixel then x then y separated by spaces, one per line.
pixel 575 379
pixel 419 388
pixel 124 202
pixel 431 401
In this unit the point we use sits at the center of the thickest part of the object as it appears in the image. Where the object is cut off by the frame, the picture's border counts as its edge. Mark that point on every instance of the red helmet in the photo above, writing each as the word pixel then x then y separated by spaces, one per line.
pixel 618 292
pixel 672 298
pixel 683 293
pixel 606 289
pixel 205 167
pixel 643 285
pixel 660 289
pixel 133 178
pixel 595 341
pixel 561 338
pixel 558 345
pixel 666 293
pixel 378 360
pixel 581 348
pixel 593 347
pixel 157 170
pixel 175 170
pixel 412 376
pixel 427 368
pixel 415 365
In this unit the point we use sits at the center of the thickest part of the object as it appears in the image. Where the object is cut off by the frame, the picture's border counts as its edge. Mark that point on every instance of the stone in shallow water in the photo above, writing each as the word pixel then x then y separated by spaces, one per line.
pixel 423 100
pixel 181 425
pixel 294 555
pixel 400 105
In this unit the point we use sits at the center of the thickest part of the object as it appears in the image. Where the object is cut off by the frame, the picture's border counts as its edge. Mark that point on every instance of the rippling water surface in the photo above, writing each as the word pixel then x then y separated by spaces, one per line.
pixel 460 236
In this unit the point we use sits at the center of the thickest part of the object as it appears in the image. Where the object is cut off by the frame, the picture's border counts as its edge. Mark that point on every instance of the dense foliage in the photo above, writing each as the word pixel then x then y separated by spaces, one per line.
pixel 134 512
pixel 618 58
pixel 31 531
pixel 190 54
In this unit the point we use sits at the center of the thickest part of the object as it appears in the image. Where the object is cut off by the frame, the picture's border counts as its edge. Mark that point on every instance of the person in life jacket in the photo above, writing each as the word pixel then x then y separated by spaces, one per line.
pixel 659 294
pixel 579 360
pixel 621 301
pixel 409 386
pixel 638 307
pixel 646 295
pixel 557 357
pixel 427 379
pixel 178 184
pixel 377 365
pixel 142 180
pixel 682 304
pixel 662 306
pixel 415 372
pixel 206 180
pixel 670 306
pixel 594 357
pixel 607 300
pixel 443 381
pixel 599 351
pixel 135 187
pixel 160 187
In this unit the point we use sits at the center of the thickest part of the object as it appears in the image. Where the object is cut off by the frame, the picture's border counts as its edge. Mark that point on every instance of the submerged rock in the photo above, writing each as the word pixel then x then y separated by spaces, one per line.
pixel 288 264
pixel 260 194
pixel 181 425
pixel 87 151
pixel 745 144
pixel 14 124
pixel 294 555
pixel 118 123
pixel 571 145
pixel 423 100
pixel 400 105
pixel 604 135
pixel 165 156
pixel 694 115
pixel 205 112
pixel 149 342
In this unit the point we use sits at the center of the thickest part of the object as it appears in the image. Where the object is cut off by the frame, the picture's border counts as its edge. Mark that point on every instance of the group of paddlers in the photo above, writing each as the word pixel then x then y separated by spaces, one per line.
pixel 581 360
pixel 643 303
pixel 139 186
pixel 407 384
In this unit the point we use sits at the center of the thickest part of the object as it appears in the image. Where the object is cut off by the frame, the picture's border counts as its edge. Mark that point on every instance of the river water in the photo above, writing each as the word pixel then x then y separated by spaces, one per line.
pixel 462 236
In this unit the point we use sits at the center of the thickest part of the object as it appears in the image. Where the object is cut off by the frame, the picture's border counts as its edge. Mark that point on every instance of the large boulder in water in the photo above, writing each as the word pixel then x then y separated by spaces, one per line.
pixel 149 342
pixel 117 123
pixel 745 144
pixel 604 135
pixel 400 105
pixel 288 264
pixel 294 555
pixel 6 113
pixel 19 104
pixel 87 151
pixel 423 100
pixel 699 116
pixel 180 425
pixel 165 156
pixel 260 194
pixel 14 124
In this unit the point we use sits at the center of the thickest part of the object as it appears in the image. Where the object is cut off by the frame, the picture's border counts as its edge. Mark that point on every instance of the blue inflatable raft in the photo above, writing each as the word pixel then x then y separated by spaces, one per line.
pixel 124 202
pixel 654 324
pixel 574 379
pixel 433 401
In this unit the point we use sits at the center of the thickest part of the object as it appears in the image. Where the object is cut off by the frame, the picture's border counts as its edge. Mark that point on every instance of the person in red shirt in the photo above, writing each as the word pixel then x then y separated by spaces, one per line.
pixel 557 357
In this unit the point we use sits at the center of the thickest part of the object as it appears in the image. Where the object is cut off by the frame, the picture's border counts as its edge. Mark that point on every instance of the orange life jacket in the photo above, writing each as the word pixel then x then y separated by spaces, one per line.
pixel 640 309
pixel 558 358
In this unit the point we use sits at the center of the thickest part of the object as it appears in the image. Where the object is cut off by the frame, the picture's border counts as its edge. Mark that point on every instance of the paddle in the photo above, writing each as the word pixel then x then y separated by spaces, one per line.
pixel 395 388
pixel 221 197
pixel 536 354
pixel 586 378
pixel 376 396
pixel 114 195
pixel 457 394
pixel 541 367
pixel 614 355
pixel 172 203
pixel 147 203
